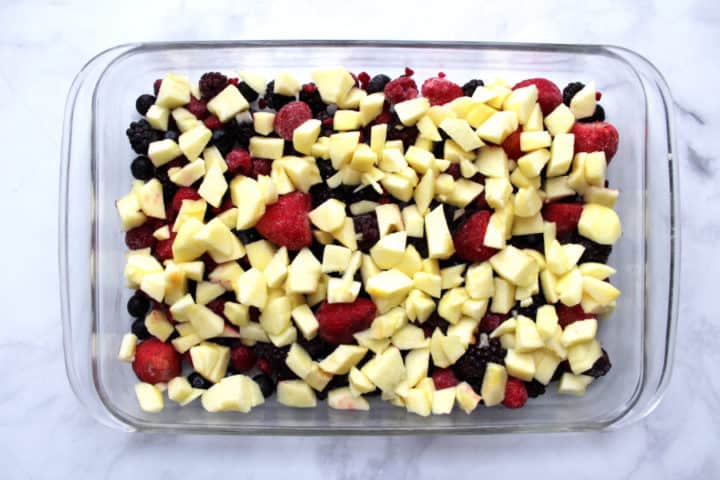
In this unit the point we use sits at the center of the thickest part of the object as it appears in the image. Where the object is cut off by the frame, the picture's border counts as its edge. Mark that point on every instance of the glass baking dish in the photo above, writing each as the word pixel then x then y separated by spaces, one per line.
pixel 639 334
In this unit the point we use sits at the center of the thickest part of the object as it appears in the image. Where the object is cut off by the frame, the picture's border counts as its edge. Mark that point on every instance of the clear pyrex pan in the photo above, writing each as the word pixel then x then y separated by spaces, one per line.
pixel 638 335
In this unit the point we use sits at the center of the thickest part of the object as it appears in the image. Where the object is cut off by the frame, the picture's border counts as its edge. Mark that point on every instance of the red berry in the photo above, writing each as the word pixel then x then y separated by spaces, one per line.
pixel 140 237
pixel 234 81
pixel 209 263
pixel 339 321
pixel 238 161
pixel 156 361
pixel 440 91
pixel 242 358
pixel 264 366
pixel 163 249
pixel 481 202
pixel 261 166
pixel 409 72
pixel 515 393
pixel 184 193
pixel 444 378
pixel 598 96
pixel 217 306
pixel 491 321
pixel 549 95
pixel 286 222
pixel 596 137
pixel 290 117
pixel 567 315
pixel 384 117
pixel 364 78
pixel 400 89
pixel 470 236
pixel 565 216
pixel 197 108
pixel 511 145
pixel 156 86
pixel 212 122
pixel 454 170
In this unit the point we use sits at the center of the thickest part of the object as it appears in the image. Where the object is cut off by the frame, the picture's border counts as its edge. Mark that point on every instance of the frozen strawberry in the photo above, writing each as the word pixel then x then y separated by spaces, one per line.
pixel 400 89
pixel 469 238
pixel 184 193
pixel 238 161
pixel 444 378
pixel 156 361
pixel 286 222
pixel 511 145
pixel 261 166
pixel 491 321
pixel 565 216
pixel 290 117
pixel 440 91
pixel 567 315
pixel 242 358
pixel 596 137
pixel 339 321
pixel 515 393
pixel 140 237
pixel 549 95
pixel 163 249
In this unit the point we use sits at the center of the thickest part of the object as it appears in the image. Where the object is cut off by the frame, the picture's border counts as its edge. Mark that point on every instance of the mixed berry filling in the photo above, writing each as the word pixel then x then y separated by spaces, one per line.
pixel 439 243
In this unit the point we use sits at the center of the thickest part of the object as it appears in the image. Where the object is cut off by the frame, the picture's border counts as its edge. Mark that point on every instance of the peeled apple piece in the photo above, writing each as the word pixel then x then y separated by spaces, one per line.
pixel 600 224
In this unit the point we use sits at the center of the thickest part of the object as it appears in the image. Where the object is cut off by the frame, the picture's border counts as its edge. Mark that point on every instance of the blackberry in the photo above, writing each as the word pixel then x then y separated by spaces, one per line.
pixel 420 245
pixel 367 226
pixel 319 193
pixel 317 348
pixel 169 188
pixel 408 135
pixel 247 92
pixel 310 95
pixel 439 149
pixel 143 103
pixel 534 388
pixel 377 83
pixel 142 168
pixel 601 366
pixel 212 83
pixel 436 321
pixel 326 169
pixel 570 90
pixel 172 135
pixel 469 88
pixel 597 116
pixel 139 330
pixel 275 100
pixel 338 381
pixel 564 367
pixel 471 366
pixel 243 133
pixel 450 262
pixel 224 341
pixel 276 358
pixel 138 305
pixel 594 252
pixel 198 381
pixel 223 140
pixel 266 384
pixel 248 236
pixel 534 241
pixel 531 310
pixel 141 134
pixel 326 126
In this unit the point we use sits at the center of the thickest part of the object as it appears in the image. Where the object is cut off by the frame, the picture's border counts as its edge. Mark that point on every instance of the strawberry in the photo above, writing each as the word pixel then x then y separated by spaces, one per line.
pixel 596 137
pixel 286 222
pixel 184 193
pixel 290 117
pixel 444 378
pixel 238 161
pixel 511 145
pixel 242 358
pixel 567 315
pixel 491 321
pixel 339 321
pixel 400 89
pixel 515 393
pixel 156 361
pixel 469 238
pixel 440 91
pixel 565 216
pixel 549 95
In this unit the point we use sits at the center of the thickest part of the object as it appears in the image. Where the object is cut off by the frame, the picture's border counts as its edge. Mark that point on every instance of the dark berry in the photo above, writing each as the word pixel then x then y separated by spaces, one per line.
pixel 243 133
pixel 138 305
pixel 436 321
pixel 223 140
pixel 534 241
pixel 156 86
pixel 469 88
pixel 212 122
pixel 247 92
pixel 172 135
pixel 140 237
pixel 597 116
pixel 266 384
pixel 143 103
pixel 408 135
pixel 275 100
pixel 248 236
pixel 276 358
pixel 197 108
pixel 534 388
pixel 242 358
pixel 471 366
pixel 310 95
pixel 531 310
pixel 366 226
pixel 139 330
pixel 326 169
pixel 594 252
pixel 377 84
pixel 317 348
pixel 198 381
pixel 141 135
pixel 570 90
pixel 142 168
pixel 454 171
pixel 601 366
pixel 261 166
pixel 319 193
pixel 212 83
pixel 563 367
pixel 420 245
pixel 224 341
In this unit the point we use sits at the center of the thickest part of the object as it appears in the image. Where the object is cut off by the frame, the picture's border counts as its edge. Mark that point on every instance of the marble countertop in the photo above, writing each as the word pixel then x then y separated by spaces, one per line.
pixel 44 431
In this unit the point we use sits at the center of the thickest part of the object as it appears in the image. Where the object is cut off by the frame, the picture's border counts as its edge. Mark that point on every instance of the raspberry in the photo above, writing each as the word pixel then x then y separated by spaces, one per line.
pixel 156 361
pixel 444 378
pixel 511 145
pixel 595 137
pixel 290 117
pixel 364 79
pixel 339 321
pixel 469 87
pixel 400 89
pixel 197 108
pixel 549 96
pixel 238 161
pixel 141 135
pixel 440 91
pixel 468 238
pixel 366 226
pixel 212 122
pixel 140 237
pixel 516 394
pixel 384 117
pixel 409 72
pixel 261 166
pixel 242 358
pixel 184 193
pixel 565 215
pixel 212 83
pixel 491 321
pixel 567 315
pixel 163 249
pixel 286 222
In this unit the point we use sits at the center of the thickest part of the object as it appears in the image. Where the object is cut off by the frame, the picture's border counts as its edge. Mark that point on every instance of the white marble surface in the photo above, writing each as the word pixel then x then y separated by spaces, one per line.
pixel 44 432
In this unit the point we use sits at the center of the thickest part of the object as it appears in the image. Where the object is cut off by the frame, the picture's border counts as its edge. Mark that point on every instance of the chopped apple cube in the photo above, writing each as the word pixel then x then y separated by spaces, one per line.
pixel 342 359
pixel 127 347
pixel 263 122
pixel 498 127
pixel 466 397
pixel 174 91
pixel 231 394
pixel 560 120
pixel 410 111
pixel 527 336
pixel 305 136
pixel 387 370
pixel 582 356
pixel 158 117
pixel 520 365
pixel 574 384
pixel 271 148
pixel 299 361
pixel 193 142
pixel 600 224
pixel 304 273
pixel 515 266
pixel 440 242
pixel 389 250
pixel 580 331
pixel 531 164
pixel 163 151
pixel 583 103
pixel 343 399
pixel 333 83
pixel 504 297
pixel 286 84
pixel 493 385
pixel 522 101
pixel 462 133
pixel 228 103
pixel 149 397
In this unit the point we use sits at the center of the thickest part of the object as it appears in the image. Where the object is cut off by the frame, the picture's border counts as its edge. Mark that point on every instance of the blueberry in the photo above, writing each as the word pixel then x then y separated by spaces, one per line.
pixel 198 381
pixel 247 92
pixel 597 116
pixel 139 329
pixel 143 103
pixel 172 135
pixel 222 140
pixel 138 305
pixel 377 83
pixel 266 384
pixel 142 168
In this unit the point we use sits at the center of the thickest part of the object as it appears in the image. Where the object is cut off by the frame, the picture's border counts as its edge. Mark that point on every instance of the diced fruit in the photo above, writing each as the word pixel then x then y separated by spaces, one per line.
pixel 343 399
pixel 574 384
pixel 466 397
pixel 516 394
pixel 469 238
pixel 149 397
pixel 156 362
pixel 339 321
pixel 286 222
pixel 600 224
pixel 342 359
pixel 596 136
